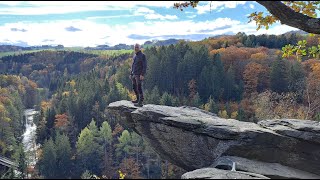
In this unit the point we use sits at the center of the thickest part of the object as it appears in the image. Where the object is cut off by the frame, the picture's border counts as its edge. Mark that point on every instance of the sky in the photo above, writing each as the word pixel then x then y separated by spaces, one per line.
pixel 92 23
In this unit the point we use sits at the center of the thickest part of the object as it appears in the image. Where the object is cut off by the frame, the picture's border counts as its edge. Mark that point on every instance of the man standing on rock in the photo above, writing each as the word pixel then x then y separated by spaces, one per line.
pixel 138 70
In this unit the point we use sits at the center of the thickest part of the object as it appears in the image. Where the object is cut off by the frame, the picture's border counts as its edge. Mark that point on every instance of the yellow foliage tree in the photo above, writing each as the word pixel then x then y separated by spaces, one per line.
pixel 223 114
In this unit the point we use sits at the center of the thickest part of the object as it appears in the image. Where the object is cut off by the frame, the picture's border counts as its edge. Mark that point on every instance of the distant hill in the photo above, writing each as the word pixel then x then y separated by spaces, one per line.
pixel 10 48
pixel 160 42
pixel 128 47
pixel 106 47
pixel 296 32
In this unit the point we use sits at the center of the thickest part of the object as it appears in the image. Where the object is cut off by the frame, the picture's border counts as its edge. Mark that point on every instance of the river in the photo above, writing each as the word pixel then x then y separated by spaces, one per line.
pixel 29 138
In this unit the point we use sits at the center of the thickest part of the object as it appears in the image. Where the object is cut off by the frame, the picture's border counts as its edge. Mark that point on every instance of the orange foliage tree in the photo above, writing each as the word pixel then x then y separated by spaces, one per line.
pixel 61 121
pixel 131 168
pixel 192 88
pixel 251 75
pixel 312 93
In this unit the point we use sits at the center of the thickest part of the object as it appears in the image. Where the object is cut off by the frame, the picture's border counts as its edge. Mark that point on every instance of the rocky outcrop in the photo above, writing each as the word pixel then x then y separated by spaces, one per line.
pixel 272 170
pixel 193 139
pixel 213 173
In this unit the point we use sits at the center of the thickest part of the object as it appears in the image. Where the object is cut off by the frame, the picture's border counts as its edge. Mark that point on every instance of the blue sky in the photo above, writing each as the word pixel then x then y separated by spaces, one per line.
pixel 92 23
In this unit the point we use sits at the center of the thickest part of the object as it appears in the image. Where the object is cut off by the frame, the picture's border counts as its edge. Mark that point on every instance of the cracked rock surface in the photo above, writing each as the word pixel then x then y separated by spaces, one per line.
pixel 193 139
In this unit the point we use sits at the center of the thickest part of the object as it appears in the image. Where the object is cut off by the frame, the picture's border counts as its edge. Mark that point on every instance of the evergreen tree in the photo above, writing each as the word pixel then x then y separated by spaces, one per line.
pixel 105 133
pixel 87 155
pixel 63 152
pixel 22 162
pixel 205 82
pixel 50 117
pixel 241 115
pixel 154 96
pixel 113 95
pixel 217 76
pixel 122 75
pixel 136 145
pixel 166 99
pixel 297 80
pixel 123 148
pixel 153 75
pixel 93 128
pixel 48 161
pixel 249 42
pixel 196 101
pixel 229 85
pixel 279 76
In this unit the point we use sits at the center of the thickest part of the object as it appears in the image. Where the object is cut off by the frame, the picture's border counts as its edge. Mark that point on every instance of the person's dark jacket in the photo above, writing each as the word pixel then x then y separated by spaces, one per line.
pixel 139 65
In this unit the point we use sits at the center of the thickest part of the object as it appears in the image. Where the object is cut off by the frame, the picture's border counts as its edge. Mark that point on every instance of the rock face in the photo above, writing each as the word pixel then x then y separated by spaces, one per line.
pixel 213 173
pixel 193 139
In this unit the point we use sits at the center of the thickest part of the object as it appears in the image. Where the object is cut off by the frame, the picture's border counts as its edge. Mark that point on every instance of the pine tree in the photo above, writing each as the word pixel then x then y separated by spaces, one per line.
pixel 217 76
pixel 136 145
pixel 93 128
pixel 48 162
pixel 229 85
pixel 88 152
pixel 279 76
pixel 22 162
pixel 154 96
pixel 123 148
pixel 196 101
pixel 106 139
pixel 63 152
pixel 296 77
pixel 166 99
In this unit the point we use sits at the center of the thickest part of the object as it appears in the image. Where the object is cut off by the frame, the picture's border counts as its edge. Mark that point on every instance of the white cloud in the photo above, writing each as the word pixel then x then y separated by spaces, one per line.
pixel 109 17
pixel 151 14
pixel 143 10
pixel 61 7
pixel 251 6
pixel 90 33
pixel 192 16
pixel 9 3
pixel 161 17
pixel 216 4
pixel 93 34
pixel 219 10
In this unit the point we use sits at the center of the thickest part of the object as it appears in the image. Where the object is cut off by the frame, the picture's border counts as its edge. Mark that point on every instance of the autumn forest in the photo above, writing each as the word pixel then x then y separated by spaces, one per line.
pixel 243 77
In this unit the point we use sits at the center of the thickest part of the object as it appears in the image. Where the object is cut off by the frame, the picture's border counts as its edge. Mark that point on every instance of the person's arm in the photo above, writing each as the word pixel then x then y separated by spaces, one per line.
pixel 131 73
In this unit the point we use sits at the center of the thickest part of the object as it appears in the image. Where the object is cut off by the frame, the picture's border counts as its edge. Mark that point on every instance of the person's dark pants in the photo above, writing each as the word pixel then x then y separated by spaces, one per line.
pixel 137 87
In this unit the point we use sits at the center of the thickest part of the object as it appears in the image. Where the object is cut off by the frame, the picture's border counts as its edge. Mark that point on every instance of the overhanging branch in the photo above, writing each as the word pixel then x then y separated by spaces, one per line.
pixel 291 18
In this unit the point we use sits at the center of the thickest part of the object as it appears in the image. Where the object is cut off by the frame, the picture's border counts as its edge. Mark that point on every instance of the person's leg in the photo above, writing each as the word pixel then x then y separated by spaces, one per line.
pixel 135 88
pixel 139 84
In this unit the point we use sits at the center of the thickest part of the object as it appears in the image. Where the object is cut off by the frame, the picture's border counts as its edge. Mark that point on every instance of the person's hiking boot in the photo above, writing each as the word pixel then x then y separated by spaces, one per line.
pixel 139 103
pixel 137 100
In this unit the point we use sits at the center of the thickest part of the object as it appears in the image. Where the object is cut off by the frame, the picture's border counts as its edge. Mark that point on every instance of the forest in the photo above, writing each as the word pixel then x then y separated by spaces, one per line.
pixel 243 77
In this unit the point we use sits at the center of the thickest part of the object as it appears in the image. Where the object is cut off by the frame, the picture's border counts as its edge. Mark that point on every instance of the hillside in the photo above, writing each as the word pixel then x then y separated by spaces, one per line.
pixel 240 77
